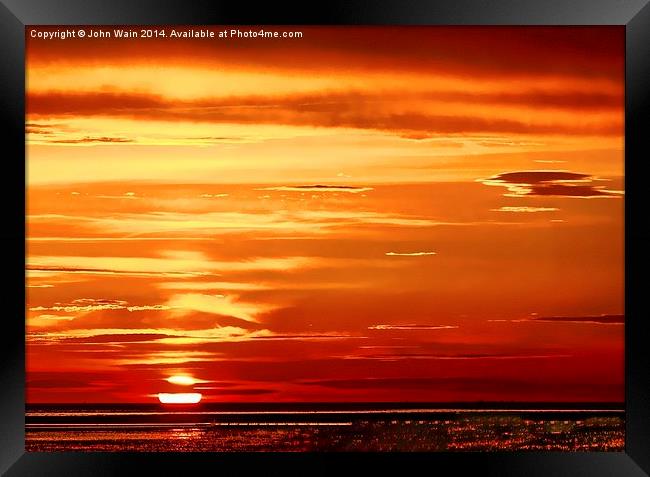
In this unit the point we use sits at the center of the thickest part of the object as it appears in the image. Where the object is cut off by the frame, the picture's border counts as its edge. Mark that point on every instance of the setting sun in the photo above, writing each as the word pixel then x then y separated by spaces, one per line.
pixel 179 398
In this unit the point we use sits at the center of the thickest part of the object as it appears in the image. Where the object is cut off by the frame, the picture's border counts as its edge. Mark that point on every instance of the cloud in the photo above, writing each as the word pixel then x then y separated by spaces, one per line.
pixel 82 305
pixel 188 285
pixel 409 327
pixel 219 305
pixel 117 338
pixel 537 177
pixel 596 319
pixel 161 335
pixel 164 357
pixel 206 339
pixel 49 271
pixel 180 304
pixel 239 392
pixel 240 286
pixel 41 129
pixel 147 308
pixel 409 254
pixel 170 263
pixel 49 320
pixel 86 305
pixel 525 209
pixel 348 109
pixel 55 317
pixel 501 142
pixel 309 336
pixel 127 195
pixel 209 223
pixel 550 183
pixel 513 52
pixel 319 188
pixel 477 356
pixel 91 140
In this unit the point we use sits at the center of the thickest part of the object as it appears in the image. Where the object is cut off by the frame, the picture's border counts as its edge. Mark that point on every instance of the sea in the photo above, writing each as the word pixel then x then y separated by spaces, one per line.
pixel 308 427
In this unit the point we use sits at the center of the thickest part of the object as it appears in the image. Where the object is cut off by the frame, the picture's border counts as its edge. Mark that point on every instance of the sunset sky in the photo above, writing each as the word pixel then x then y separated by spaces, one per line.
pixel 361 214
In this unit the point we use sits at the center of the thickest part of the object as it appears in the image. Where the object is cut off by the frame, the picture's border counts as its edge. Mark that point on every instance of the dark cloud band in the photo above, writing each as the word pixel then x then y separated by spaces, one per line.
pixel 551 183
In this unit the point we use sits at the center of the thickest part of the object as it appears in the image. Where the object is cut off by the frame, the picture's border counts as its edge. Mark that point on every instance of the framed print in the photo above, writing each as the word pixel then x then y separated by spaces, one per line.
pixel 392 236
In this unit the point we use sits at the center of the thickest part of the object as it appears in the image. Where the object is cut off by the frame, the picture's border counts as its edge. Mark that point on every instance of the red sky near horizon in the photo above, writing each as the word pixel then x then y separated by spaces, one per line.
pixel 422 214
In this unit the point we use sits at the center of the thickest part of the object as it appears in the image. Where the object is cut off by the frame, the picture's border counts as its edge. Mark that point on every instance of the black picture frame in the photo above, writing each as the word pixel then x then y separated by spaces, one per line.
pixel 634 15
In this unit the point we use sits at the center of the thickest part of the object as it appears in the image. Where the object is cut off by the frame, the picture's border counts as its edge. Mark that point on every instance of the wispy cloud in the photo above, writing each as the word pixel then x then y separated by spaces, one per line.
pixel 319 188
pixel 210 223
pixel 239 286
pixel 411 327
pixel 227 286
pixel 90 140
pixel 49 320
pixel 217 304
pixel 164 357
pixel 333 109
pixel 126 195
pixel 310 336
pixel 409 254
pixel 551 183
pixel 595 319
pixel 221 333
pixel 525 209
pixel 83 305
pixel 34 271
pixel 437 357
pixel 148 308
pixel 178 337
pixel 87 305
pixel 179 304
pixel 171 262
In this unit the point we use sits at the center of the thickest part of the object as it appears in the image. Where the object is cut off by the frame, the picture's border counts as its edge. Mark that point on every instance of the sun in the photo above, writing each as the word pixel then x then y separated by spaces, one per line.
pixel 182 379
pixel 179 398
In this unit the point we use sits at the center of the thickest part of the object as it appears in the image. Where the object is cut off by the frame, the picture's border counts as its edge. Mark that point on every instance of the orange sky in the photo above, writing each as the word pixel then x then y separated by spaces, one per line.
pixel 361 214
